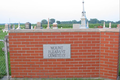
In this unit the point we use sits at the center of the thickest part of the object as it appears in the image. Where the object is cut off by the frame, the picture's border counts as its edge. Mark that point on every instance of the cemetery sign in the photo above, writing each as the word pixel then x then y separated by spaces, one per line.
pixel 56 51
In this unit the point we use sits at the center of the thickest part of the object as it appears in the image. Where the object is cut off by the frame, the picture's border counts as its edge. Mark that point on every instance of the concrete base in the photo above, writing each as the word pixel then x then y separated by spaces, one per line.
pixel 55 27
pixel 5 30
pixel 5 78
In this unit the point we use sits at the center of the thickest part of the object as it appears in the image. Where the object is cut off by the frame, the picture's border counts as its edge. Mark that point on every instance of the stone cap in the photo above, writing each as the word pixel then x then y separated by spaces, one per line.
pixel 64 30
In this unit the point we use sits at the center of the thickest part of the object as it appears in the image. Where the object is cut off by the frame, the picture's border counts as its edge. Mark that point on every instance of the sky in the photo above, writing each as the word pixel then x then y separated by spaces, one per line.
pixel 34 11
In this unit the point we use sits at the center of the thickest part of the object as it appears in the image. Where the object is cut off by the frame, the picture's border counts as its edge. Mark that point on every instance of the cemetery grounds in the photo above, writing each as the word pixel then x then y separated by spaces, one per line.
pixel 2 55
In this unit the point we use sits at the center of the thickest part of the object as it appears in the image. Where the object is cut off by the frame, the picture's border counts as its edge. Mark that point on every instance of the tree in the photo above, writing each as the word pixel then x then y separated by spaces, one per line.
pixel 74 21
pixel 58 22
pixel 52 21
pixel 93 21
pixel 44 21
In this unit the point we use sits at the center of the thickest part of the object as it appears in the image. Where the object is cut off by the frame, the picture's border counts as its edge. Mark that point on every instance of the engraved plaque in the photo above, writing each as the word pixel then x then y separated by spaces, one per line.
pixel 56 51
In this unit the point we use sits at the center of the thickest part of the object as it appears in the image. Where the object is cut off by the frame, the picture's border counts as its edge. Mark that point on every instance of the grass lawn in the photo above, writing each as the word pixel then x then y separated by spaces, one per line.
pixel 2 56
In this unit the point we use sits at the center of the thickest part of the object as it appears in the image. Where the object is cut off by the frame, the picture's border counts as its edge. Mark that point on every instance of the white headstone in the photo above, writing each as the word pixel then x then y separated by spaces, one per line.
pixel 76 26
pixel 109 25
pixel 6 28
pixel 19 26
pixel 31 27
pixel 104 25
pixel 87 24
pixel 13 26
pixel 55 26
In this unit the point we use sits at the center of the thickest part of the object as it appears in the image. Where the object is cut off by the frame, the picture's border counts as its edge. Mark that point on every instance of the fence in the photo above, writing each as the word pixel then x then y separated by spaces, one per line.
pixel 4 70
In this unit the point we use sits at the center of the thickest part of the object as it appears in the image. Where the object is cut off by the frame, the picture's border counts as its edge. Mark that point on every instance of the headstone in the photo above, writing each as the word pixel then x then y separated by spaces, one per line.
pixel 55 26
pixel 56 51
pixel 118 26
pixel 100 26
pixel 48 26
pixel 31 27
pixel 95 26
pixel 104 25
pixel 61 27
pixel 6 28
pixel 87 24
pixel 109 25
pixel 39 25
pixel 27 25
pixel 76 26
pixel 34 27
pixel 19 26
pixel 9 26
pixel 13 26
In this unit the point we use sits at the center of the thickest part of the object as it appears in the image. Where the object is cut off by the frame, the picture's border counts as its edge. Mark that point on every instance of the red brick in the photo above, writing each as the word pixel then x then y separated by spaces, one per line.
pixel 25 37
pixel 38 34
pixel 65 33
pixel 46 33
pixel 56 33
pixel 29 39
pixel 29 33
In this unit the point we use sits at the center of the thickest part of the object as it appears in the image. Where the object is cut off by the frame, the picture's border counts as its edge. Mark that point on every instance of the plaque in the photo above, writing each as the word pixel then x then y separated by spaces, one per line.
pixel 56 51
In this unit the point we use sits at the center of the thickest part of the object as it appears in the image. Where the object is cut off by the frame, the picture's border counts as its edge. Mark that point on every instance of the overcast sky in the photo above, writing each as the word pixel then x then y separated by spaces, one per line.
pixel 35 10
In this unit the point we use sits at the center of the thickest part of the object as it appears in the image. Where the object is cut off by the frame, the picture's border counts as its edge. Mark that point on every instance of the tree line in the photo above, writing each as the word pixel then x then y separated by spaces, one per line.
pixel 91 21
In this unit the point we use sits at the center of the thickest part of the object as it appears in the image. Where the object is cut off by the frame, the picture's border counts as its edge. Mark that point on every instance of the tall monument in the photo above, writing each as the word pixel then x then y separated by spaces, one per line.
pixel 83 19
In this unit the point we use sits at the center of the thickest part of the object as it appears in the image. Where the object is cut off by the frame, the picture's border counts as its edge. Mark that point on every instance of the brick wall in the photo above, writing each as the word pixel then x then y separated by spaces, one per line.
pixel 109 55
pixel 93 54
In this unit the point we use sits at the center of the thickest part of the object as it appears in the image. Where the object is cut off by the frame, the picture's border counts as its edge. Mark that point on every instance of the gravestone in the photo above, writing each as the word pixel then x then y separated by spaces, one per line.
pixel 9 26
pixel 109 25
pixel 48 26
pixel 19 26
pixel 34 27
pixel 100 26
pixel 87 24
pixel 6 28
pixel 39 25
pixel 55 26
pixel 76 26
pixel 104 25
pixel 118 26
pixel 27 25
pixel 31 27
pixel 13 26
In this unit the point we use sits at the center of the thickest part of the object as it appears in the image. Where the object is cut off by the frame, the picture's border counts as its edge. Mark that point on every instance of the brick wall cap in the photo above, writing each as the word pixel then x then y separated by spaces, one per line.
pixel 63 30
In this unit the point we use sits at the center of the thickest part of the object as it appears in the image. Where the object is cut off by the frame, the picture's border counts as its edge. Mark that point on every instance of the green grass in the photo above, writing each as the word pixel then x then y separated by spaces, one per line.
pixel 57 79
pixel 2 55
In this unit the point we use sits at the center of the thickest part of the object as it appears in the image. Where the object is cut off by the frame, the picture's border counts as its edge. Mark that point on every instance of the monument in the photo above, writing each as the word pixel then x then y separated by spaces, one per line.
pixel 48 26
pixel 104 25
pixel 39 25
pixel 31 27
pixel 109 25
pixel 76 26
pixel 118 25
pixel 83 19
pixel 13 26
pixel 27 25
pixel 6 28
pixel 9 26
pixel 19 26
pixel 55 26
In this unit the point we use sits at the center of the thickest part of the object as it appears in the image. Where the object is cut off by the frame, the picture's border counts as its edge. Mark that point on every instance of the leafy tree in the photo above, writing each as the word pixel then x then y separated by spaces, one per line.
pixel 52 21
pixel 44 21
pixel 93 21
pixel 58 22
pixel 74 21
